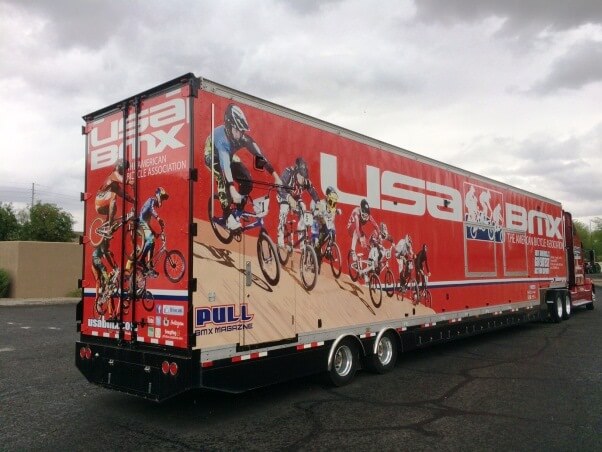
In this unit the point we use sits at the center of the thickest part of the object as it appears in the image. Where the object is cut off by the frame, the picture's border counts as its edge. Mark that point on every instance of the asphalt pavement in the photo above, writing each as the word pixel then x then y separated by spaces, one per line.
pixel 536 386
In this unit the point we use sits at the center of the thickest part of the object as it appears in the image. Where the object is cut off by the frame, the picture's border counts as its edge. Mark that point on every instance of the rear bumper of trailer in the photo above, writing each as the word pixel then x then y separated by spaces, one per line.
pixel 152 374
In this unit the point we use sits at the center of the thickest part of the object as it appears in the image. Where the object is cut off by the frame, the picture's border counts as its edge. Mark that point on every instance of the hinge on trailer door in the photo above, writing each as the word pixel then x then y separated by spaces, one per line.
pixel 193 175
pixel 193 229
pixel 193 87
pixel 192 285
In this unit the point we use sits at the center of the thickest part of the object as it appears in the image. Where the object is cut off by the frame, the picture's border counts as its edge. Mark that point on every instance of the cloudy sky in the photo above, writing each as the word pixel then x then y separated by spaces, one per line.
pixel 511 89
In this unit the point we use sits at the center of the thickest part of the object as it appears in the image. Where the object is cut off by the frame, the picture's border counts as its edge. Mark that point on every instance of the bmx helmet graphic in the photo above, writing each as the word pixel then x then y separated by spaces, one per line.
pixel 235 117
pixel 332 198
pixel 301 167
pixel 384 231
pixel 161 195
pixel 121 166
pixel 364 209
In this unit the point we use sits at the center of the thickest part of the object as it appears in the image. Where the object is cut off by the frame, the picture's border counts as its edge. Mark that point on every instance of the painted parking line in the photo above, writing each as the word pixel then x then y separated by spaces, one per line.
pixel 7 349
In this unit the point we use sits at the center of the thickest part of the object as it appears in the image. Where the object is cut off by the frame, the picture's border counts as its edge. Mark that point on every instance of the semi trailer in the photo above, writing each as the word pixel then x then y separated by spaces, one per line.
pixel 231 243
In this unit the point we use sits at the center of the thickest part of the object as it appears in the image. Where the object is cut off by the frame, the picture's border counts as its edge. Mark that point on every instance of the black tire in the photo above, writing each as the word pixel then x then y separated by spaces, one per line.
pixel 590 306
pixel 352 264
pixel 148 301
pixel 556 308
pixel 101 305
pixel 389 283
pixel 268 258
pixel 374 287
pixel 140 280
pixel 344 363
pixel 384 359
pixel 95 237
pixel 309 267
pixel 336 263
pixel 567 307
pixel 174 265
pixel 222 233
pixel 284 252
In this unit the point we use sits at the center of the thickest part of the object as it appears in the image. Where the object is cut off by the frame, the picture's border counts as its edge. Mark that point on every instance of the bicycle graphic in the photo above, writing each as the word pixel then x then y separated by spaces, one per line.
pixel 308 263
pixel 328 249
pixel 366 269
pixel 266 250
pixel 101 229
pixel 174 265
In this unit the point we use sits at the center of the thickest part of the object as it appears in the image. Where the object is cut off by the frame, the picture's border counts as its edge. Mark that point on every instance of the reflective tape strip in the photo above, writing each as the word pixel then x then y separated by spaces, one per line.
pixel 255 355
pixel 365 335
pixel 207 364
pixel 309 345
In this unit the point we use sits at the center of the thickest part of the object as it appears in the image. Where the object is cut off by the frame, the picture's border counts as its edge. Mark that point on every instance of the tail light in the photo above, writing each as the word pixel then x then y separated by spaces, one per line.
pixel 85 353
pixel 169 368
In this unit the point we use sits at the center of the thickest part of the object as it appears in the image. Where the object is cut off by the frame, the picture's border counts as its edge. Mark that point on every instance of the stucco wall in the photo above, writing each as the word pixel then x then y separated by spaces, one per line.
pixel 41 269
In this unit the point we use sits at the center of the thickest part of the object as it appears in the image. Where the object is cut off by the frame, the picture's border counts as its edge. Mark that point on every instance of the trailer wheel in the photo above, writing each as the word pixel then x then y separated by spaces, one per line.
pixel 556 309
pixel 567 306
pixel 386 354
pixel 344 363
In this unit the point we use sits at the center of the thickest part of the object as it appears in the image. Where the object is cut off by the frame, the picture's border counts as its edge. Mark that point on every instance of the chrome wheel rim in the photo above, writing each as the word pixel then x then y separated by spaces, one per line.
pixel 343 360
pixel 384 350
pixel 559 307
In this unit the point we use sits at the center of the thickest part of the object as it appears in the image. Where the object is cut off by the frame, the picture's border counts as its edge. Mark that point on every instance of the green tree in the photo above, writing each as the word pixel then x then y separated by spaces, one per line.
pixel 591 236
pixel 9 225
pixel 47 223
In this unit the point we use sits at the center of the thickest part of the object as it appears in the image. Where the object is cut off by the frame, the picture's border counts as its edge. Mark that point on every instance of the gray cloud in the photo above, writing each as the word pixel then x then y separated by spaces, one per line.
pixel 579 66
pixel 520 15
pixel 566 170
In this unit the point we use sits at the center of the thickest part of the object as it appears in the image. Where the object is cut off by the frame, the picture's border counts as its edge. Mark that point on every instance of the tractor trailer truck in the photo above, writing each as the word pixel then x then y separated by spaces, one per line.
pixel 231 243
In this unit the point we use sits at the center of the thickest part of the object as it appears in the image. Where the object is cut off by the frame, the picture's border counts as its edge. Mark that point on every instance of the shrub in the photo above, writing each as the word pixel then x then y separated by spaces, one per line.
pixel 4 283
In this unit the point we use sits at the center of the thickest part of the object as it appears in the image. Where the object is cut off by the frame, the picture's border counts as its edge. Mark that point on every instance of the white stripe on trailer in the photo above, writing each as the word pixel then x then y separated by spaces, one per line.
pixel 94 333
pixel 365 335
pixel 255 355
pixel 169 343
pixel 310 345
pixel 154 341
pixel 106 334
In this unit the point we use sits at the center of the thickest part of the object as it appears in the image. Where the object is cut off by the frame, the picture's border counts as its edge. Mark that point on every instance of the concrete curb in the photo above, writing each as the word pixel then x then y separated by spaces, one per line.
pixel 37 301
